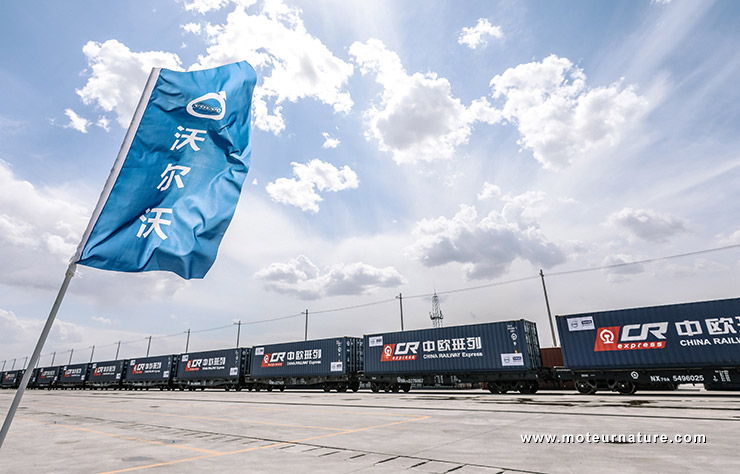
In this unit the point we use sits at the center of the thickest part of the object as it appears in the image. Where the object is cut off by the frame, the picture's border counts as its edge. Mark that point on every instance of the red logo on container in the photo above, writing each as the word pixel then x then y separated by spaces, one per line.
pixel 400 351
pixel 607 339
pixel 273 360
pixel 191 366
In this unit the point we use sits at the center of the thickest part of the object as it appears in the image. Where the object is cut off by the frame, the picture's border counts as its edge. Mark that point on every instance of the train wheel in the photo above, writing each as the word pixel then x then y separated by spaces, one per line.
pixel 341 387
pixel 406 387
pixel 327 388
pixel 354 386
pixel 269 388
pixel 387 388
pixel 226 388
pixel 395 388
pixel 625 387
pixel 494 387
pixel 374 387
pixel 585 387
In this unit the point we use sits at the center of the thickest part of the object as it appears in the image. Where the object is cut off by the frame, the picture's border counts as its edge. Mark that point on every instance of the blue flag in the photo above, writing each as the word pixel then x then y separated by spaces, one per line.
pixel 176 181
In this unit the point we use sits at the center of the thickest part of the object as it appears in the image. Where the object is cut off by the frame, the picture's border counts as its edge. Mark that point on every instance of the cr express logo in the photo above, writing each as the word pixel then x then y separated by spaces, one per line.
pixel 275 359
pixel 399 351
pixel 631 337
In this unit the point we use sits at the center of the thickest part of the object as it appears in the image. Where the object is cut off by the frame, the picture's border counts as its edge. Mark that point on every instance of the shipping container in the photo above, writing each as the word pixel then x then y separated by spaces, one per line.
pixel 46 377
pixel 150 372
pixel 324 363
pixel 505 355
pixel 106 374
pixel 680 343
pixel 73 376
pixel 221 368
pixel 12 378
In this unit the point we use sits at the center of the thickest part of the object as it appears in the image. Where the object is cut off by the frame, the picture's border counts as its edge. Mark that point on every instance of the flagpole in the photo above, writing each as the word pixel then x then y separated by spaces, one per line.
pixel 37 352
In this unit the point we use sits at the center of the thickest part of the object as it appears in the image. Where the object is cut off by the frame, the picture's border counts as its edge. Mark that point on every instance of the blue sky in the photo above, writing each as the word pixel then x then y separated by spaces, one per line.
pixel 397 147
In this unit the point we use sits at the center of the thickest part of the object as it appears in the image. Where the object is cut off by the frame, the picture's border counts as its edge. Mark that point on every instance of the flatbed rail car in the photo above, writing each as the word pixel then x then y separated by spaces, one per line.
pixel 73 376
pixel 331 364
pixel 150 372
pixel 223 368
pixel 504 355
pixel 106 375
pixel 623 350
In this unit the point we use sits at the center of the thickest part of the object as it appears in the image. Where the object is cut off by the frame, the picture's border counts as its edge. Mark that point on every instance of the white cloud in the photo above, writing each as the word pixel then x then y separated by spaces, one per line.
pixel 20 330
pixel 731 239
pixel 478 35
pixel 329 141
pixel 102 320
pixel 489 190
pixel 417 119
pixel 205 6
pixel 76 122
pixel 312 176
pixel 486 247
pixel 300 277
pixel 119 75
pixel 192 28
pixel 36 224
pixel 292 63
pixel 622 266
pixel 103 123
pixel 559 118
pixel 647 224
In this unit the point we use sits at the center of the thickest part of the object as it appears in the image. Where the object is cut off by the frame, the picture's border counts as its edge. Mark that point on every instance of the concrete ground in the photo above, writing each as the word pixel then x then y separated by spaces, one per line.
pixel 464 432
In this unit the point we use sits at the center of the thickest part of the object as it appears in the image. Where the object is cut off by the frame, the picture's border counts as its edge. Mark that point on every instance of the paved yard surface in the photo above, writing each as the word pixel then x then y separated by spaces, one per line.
pixel 464 432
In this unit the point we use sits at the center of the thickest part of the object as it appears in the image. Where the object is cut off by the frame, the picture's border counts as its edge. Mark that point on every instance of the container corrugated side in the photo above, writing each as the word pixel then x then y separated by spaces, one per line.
pixel 476 348
pixel 150 369
pixel 221 364
pixel 73 374
pixel 317 358
pixel 687 335
pixel 12 378
pixel 46 376
pixel 107 372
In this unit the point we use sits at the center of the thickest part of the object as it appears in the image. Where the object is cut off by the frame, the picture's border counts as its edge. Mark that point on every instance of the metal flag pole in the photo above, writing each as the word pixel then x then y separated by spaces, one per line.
pixel 37 352
pixel 549 314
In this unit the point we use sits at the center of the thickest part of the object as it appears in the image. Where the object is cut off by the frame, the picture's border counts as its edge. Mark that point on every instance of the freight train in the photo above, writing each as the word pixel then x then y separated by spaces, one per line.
pixel 655 347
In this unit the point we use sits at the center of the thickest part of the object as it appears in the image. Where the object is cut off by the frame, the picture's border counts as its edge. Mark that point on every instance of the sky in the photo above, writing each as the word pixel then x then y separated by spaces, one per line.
pixel 398 148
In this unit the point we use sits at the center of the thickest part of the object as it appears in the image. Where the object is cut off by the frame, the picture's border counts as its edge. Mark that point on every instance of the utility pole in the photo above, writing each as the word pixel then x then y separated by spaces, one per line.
pixel 71 351
pixel 54 356
pixel 117 350
pixel 13 367
pixel 238 332
pixel 92 352
pixel 3 369
pixel 187 341
pixel 25 362
pixel 549 314
pixel 305 336
pixel 149 346
pixel 400 304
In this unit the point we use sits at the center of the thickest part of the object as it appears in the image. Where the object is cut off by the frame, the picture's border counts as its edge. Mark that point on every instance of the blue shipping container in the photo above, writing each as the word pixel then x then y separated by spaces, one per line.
pixel 106 373
pixel 319 358
pixel 150 369
pixel 73 374
pixel 46 376
pixel 476 348
pixel 702 334
pixel 210 365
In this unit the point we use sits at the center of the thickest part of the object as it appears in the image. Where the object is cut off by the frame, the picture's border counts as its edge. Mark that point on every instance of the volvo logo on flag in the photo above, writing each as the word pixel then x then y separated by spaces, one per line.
pixel 204 107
